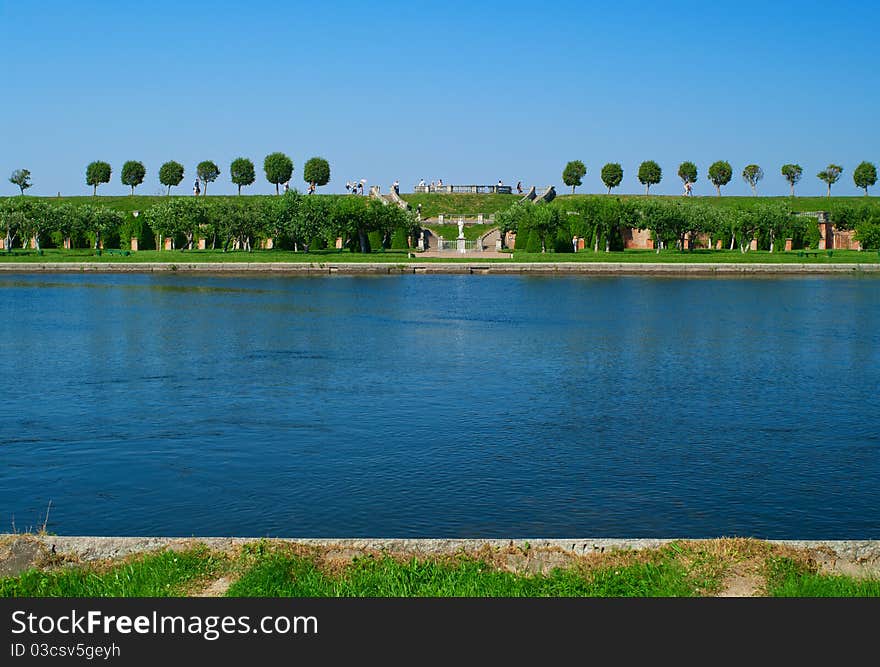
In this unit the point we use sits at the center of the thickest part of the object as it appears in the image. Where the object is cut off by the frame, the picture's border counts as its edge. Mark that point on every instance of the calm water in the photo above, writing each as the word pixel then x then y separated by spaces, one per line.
pixel 441 406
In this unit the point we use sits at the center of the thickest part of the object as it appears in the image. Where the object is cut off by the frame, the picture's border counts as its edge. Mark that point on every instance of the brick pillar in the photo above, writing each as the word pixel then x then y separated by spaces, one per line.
pixel 718 244
pixel 339 243
pixel 134 244
pixel 168 242
pixel 753 245
pixel 202 244
pixel 34 243
pixel 787 245
pixel 269 243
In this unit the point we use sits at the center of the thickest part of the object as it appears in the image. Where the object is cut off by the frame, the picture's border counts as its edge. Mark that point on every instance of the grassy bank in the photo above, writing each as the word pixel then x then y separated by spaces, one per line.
pixel 55 255
pixel 265 568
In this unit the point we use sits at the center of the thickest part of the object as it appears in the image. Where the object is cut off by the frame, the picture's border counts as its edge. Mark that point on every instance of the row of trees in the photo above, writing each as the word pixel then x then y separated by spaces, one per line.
pixel 720 174
pixel 278 168
pixel 293 221
pixel 603 221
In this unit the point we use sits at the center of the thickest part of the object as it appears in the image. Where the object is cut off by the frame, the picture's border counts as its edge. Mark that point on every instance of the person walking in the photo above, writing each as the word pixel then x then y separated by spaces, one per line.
pixel 419 213
pixel 197 189
pixel 519 187
pixel 396 187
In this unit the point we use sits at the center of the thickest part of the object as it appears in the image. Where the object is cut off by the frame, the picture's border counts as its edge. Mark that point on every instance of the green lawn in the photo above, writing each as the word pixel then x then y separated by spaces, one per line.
pixel 788 578
pixel 471 232
pixel 163 574
pixel 436 204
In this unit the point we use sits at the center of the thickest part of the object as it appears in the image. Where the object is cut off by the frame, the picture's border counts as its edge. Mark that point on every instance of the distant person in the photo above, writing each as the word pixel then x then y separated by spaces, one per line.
pixel 287 185
pixel 500 183
pixel 574 243
pixel 197 189
pixel 519 187
pixel 311 188
pixel 361 188
pixel 347 186
pixel 396 187
pixel 440 183
pixel 419 213
pixel 422 183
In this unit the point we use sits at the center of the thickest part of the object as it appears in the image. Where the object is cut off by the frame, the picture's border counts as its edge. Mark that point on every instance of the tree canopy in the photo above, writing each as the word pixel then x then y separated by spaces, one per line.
pixel 171 174
pixel 278 168
pixel 720 173
pixel 574 173
pixel 792 174
pixel 316 171
pixel 830 175
pixel 752 173
pixel 133 173
pixel 207 172
pixel 22 178
pixel 865 176
pixel 97 172
pixel 650 174
pixel 687 172
pixel 242 172
pixel 612 175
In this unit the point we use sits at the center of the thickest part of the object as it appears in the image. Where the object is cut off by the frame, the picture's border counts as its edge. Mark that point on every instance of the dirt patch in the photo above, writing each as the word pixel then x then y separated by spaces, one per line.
pixel 215 589
pixel 19 554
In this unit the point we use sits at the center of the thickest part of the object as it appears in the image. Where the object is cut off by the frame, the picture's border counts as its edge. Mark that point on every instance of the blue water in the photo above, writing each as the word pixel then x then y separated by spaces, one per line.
pixel 469 406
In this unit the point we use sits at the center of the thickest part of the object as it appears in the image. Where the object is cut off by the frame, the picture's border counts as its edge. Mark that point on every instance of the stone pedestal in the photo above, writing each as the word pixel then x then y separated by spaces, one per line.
pixel 203 243
pixel 134 245
pixel 498 245
pixel 461 245
pixel 787 245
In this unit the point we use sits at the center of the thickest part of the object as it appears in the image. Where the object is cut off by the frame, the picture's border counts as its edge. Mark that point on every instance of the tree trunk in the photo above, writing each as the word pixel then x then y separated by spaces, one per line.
pixel 609 189
pixel 132 191
pixel 97 240
pixel 792 189
pixel 608 245
pixel 239 191
pixel 754 190
pixel 572 190
pixel 95 190
pixel 829 189
pixel 718 190
pixel 866 190
pixel 169 191
pixel 732 238
pixel 362 239
pixel 276 189
pixel 771 240
pixel 647 187
pixel 596 239
pixel 206 189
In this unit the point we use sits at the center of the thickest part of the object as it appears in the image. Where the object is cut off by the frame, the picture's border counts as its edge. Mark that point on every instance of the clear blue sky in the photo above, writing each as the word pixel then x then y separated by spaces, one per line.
pixel 466 92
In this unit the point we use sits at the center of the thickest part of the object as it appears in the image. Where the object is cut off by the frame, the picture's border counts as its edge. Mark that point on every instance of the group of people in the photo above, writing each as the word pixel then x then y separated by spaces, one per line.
pixel 433 186
pixel 355 188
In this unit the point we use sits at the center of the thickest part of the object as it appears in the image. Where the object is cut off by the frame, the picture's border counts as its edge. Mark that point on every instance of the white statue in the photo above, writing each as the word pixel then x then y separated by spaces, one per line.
pixel 460 228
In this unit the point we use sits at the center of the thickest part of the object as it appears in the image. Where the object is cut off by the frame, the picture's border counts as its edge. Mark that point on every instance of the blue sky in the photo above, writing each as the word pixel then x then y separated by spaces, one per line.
pixel 467 92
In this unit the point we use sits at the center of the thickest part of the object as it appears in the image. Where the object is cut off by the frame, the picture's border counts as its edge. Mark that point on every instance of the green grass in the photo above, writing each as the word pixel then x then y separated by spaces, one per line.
pixel 436 204
pixel 787 578
pixel 164 574
pixel 471 232
pixel 283 575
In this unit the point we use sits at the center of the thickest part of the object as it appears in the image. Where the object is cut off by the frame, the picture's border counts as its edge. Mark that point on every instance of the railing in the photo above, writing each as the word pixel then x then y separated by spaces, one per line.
pixel 457 245
pixel 464 189
pixel 478 219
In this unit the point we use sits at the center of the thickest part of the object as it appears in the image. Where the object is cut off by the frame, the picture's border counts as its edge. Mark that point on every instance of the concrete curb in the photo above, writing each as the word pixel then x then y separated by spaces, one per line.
pixel 470 267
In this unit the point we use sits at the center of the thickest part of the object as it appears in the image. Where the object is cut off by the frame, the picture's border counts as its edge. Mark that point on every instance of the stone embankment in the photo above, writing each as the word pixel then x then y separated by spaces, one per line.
pixel 466 267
